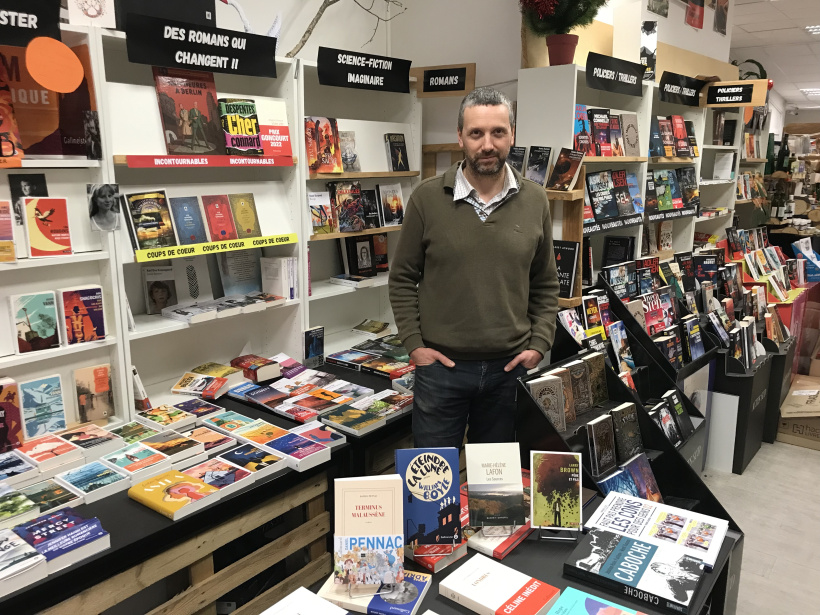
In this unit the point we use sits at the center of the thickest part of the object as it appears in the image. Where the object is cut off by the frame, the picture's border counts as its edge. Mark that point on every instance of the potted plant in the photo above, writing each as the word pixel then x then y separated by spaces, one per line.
pixel 553 19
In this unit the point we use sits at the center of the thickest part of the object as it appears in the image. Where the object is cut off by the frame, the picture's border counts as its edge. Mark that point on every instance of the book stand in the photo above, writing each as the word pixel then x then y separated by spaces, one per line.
pixel 557 535
pixel 376 593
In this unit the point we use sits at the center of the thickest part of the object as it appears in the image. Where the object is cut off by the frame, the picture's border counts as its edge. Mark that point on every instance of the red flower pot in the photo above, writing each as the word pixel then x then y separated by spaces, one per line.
pixel 561 48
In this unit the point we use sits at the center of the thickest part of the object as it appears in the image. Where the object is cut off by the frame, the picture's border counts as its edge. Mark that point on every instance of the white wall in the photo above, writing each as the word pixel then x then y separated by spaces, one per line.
pixel 777 113
pixel 343 25
pixel 803 116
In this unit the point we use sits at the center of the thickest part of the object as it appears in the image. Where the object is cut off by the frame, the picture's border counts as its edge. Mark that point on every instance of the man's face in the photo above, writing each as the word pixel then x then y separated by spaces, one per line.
pixel 486 138
pixel 25 187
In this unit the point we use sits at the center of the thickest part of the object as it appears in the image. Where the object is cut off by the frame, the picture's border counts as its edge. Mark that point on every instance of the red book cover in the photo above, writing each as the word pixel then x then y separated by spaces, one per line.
pixel 47 227
pixel 667 137
pixel 694 14
pixel 250 364
pixel 220 219
pixel 589 215
pixel 653 312
pixel 599 121
pixel 322 145
pixel 681 136
pixel 11 424
pixel 83 314
pixel 212 390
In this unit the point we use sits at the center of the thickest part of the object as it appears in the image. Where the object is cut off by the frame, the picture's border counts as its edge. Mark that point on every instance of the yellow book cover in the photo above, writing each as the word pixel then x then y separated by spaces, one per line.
pixel 352 418
pixel 217 370
pixel 243 207
pixel 260 432
pixel 169 492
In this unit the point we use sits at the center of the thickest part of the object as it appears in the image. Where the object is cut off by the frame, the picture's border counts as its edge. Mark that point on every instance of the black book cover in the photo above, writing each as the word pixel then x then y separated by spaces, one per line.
pixel 617 249
pixel 586 261
pixel 651 200
pixel 623 199
pixel 631 279
pixel 566 261
pixel 599 125
pixel 687 269
pixel 680 414
pixel 693 141
pixel 370 207
pixel 516 158
pixel 729 128
pixel 628 442
pixel 601 195
pixel 360 256
pixel 655 142
pixel 538 162
pixel 601 437
pixel 397 151
pixel 706 268
pixel 688 182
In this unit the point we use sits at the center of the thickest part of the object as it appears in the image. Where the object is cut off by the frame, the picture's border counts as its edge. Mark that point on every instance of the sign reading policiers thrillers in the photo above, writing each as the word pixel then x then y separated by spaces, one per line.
pixel 175 44
pixel 680 89
pixel 614 75
pixel 348 69
pixel 24 20
pixel 734 94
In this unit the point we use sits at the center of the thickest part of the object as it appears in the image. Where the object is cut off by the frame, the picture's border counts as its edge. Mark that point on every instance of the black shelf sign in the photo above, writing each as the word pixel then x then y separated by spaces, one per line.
pixel 614 75
pixel 445 79
pixel 672 214
pixel 680 89
pixel 24 20
pixel 176 44
pixel 363 71
pixel 730 94
pixel 608 225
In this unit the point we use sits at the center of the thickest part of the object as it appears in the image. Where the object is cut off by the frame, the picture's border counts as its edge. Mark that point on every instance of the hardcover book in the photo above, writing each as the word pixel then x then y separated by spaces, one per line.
pixel 396 152
pixel 628 441
pixel 496 493
pixel 188 110
pixel 547 391
pixel 322 145
pixel 173 494
pixel 221 226
pixel 601 437
pixel 555 497
pixel 538 161
pixel 240 127
pixel 46 222
pixel 601 195
pixel 150 220
pixel 42 406
pixel 243 208
pixel 82 313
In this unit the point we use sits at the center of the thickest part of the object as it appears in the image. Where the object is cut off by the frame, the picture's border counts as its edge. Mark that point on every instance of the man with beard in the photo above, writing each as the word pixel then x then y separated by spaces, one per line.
pixel 473 283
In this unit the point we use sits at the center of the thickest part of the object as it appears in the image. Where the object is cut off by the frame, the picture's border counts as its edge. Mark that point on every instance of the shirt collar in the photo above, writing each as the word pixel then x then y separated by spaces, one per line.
pixel 463 188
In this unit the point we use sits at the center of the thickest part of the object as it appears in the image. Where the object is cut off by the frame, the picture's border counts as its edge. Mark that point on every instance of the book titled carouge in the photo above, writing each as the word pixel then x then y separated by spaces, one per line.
pixel 496 492
pixel 488 587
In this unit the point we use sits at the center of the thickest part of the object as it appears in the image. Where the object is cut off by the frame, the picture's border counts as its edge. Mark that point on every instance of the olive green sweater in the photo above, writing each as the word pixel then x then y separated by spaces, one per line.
pixel 472 289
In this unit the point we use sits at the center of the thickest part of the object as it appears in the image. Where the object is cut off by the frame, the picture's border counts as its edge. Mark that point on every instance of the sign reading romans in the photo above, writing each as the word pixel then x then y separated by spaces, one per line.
pixel 363 71
pixel 614 75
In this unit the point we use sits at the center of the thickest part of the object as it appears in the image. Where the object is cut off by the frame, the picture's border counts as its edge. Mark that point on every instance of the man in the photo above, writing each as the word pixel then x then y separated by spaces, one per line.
pixel 473 283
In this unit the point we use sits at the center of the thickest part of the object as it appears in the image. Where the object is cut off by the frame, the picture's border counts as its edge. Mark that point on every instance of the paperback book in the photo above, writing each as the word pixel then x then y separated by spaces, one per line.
pixel 46 222
pixel 188 110
pixel 538 160
pixel 173 494
pixel 496 492
pixel 149 219
pixel 189 226
pixel 42 406
pixel 555 498
pixel 35 321
pixel 322 145
pixel 82 314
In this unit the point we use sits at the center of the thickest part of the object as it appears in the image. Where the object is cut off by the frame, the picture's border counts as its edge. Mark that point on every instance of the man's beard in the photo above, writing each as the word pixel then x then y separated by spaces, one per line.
pixel 480 169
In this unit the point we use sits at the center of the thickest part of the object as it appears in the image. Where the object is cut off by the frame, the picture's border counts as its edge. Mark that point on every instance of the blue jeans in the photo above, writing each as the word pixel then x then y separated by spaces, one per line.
pixel 478 393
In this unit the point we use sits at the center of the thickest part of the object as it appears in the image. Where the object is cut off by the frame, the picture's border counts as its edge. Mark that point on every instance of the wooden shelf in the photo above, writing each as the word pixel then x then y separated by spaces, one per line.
pixel 370 231
pixel 568 195
pixel 569 303
pixel 670 160
pixel 371 174
pixel 440 148
pixel 606 159
pixel 750 161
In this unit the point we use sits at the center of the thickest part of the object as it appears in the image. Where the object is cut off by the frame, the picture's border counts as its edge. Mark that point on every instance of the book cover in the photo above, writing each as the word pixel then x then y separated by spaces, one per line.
pixel 346 199
pixel 213 440
pixel 675 190
pixel 259 432
pixel 380 256
pixel 219 217
pixel 370 209
pixel 396 148
pixel 623 197
pixel 566 261
pixel 240 127
pixel 693 141
pixel 596 368
pixel 581 392
pixel 134 457
pixel 656 149
pixel 170 492
pixel 165 415
pixel 658 575
pixel 663 190
pixel 667 137
pixel 400 597
pixel 496 493
pixel 251 458
pixel 516 158
pixel 668 424
pixel 321 213
pixel 322 145
pixel 615 137
pixel 228 421
pixel 601 195
pixel 187 218
pixel 555 499
pixel 35 319
pixel 49 447
pixel 566 170
pixel 8 252
pixel 599 123
pixel 47 228
pixel 13 468
pixel 431 495
pixel 92 476
pixel 567 392
pixel 642 476
pixel 246 221
pixel 134 431
pixel 50 496
pixel 628 441
pixel 11 419
pixel 687 269
pixel 679 413
pixel 95 395
pixel 319 433
pixel 218 473
pixel 42 406
pixel 82 310
pixel 392 204
pixel 620 482
pixel 601 437
pixel 547 391
pixel 150 219
pixel 57 533
pixel 582 138
pixel 241 271
pixel 188 110
pixel 629 129
pixel 199 407
pixel 634 193
pixel 350 156
pixel 575 602
pixel 688 182
pixel 681 137
pixel 538 161
pixel 173 445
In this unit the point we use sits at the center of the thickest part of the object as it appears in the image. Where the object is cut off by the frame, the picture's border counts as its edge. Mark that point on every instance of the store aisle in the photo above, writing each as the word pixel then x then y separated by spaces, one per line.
pixel 777 504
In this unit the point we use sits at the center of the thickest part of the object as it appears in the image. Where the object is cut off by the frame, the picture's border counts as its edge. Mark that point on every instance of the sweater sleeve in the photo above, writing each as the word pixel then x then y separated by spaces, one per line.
pixel 406 269
pixel 543 301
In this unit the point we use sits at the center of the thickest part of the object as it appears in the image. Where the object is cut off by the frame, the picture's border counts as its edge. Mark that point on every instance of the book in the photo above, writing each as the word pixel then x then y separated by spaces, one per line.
pixel 261 462
pixel 370 208
pixel 592 315
pixel 350 157
pixel 547 391
pixel 668 424
pixel 575 602
pixel 628 441
pixel 321 213
pixel 322 146
pixel 81 311
pixel 400 597
pixel 50 496
pixel 665 236
pixel 346 201
pixel 380 256
pixel 243 208
pixel 538 161
pixel 94 481
pixel 629 129
pixel 134 432
pixel 566 170
pixel 615 137
pixel 488 587
pixel 431 495
pixel 693 141
pixel 663 189
pixel 213 441
pixel 656 574
pixel 256 368
pixel 623 198
pixel 496 493
pixel 642 477
pixel 634 192
pixel 186 214
pixel 304 602
pixel 319 433
pixel 137 461
pixel 656 148
pixel 219 217
pixel 679 413
pixel 47 227
pixel 680 136
pixel 95 441
pixel 601 195
pixel 516 158
pixel 599 125
pixel 667 136
pixel 15 508
pixel 582 139
pixel 391 212
pixel 188 110
pixel 15 470
pixel 436 558
pixel 174 494
pixel 396 148
pixel 208 387
pixel 240 127
pixel 581 392
pixel 149 218
pixel 64 537
pixel 555 495
pixel 165 417
pixel 34 319
pixel 11 419
pixel 601 439
pixel 619 481
pixel 220 474
pixel 51 454
pixel 596 369
pixel 42 406
pixel 8 251
pixel 176 447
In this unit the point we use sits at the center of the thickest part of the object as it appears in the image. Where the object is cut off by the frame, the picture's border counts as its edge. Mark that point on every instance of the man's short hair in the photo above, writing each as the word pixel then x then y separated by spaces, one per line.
pixel 485 97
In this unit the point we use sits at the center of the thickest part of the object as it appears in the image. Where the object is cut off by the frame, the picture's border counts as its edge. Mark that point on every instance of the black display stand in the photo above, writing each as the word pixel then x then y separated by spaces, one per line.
pixel 751 388
pixel 780 383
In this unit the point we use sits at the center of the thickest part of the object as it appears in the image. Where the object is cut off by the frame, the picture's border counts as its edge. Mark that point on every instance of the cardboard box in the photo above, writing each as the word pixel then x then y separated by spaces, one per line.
pixel 803 399
pixel 803 432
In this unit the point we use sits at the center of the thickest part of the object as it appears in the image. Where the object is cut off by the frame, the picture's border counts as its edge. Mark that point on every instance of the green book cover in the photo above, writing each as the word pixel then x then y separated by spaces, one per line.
pixel 243 208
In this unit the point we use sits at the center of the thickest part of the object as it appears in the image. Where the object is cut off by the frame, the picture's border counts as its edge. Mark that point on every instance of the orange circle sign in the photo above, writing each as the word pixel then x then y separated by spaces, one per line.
pixel 53 65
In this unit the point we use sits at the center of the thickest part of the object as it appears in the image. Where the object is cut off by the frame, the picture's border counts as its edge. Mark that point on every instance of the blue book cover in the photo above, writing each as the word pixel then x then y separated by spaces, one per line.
pixel 575 602
pixel 60 532
pixel 240 271
pixel 240 391
pixel 432 503
pixel 91 477
pixel 188 222
pixel 634 192
pixel 12 465
pixel 400 598
pixel 620 482
pixel 199 407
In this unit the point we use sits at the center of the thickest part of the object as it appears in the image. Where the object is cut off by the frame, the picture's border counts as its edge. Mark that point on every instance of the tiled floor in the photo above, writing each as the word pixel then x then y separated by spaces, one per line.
pixel 776 502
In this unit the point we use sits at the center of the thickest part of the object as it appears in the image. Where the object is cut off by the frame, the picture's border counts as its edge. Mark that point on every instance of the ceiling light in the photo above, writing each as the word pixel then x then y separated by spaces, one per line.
pixel 813 29
pixel 811 91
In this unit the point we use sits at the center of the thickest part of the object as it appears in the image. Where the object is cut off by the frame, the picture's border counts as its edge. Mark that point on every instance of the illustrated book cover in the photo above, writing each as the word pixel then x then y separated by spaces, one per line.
pixel 150 220
pixel 322 145
pixel 396 148
pixel 496 492
pixel 555 496
pixel 82 313
pixel 240 127
pixel 46 222
pixel 42 406
pixel 188 110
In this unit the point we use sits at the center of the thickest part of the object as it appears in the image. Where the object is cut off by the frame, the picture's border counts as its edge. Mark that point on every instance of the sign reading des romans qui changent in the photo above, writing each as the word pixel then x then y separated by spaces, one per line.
pixel 730 94
pixel 24 20
pixel 362 71
pixel 680 89
pixel 614 75
pixel 175 44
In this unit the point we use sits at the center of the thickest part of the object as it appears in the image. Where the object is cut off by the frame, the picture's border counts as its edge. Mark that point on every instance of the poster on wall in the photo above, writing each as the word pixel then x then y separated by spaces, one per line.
pixel 649 48
pixel 694 14
pixel 659 7
pixel 721 16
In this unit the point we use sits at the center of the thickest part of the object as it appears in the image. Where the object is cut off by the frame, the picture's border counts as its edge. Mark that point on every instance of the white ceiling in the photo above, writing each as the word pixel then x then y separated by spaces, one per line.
pixel 773 32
